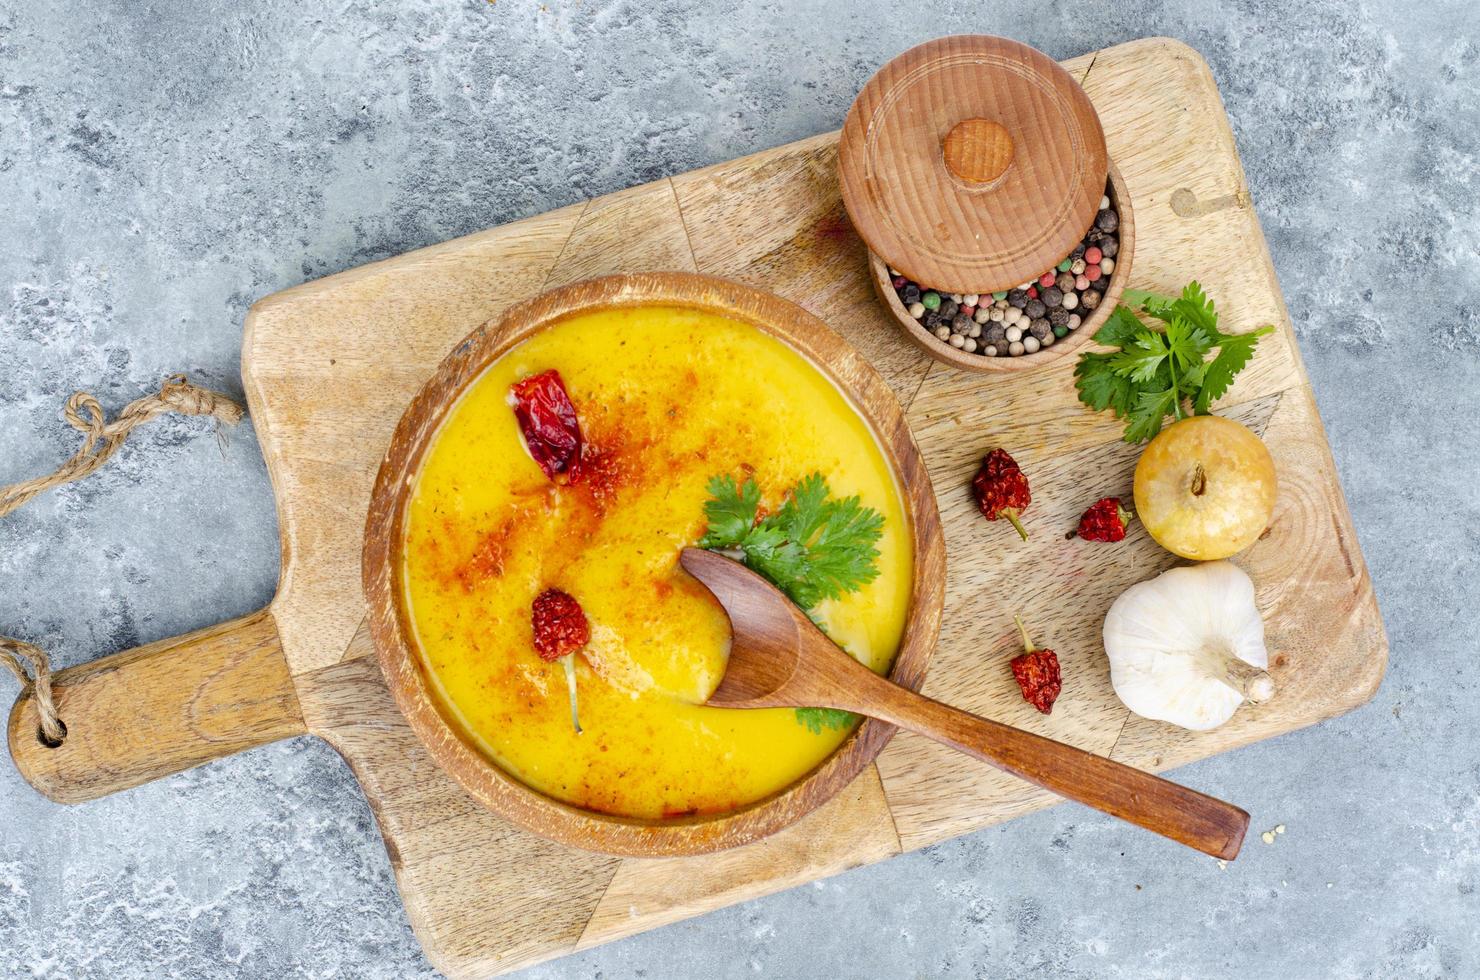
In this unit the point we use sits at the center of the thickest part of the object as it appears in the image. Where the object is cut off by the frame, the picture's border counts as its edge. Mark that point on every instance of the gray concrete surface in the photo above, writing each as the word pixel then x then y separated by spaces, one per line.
pixel 162 164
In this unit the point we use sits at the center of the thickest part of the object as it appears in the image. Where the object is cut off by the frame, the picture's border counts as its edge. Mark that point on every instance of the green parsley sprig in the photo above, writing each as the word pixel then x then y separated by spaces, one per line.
pixel 1160 372
pixel 814 547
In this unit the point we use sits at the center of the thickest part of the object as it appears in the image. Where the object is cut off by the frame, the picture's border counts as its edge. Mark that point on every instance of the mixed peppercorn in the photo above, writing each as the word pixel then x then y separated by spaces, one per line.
pixel 1030 317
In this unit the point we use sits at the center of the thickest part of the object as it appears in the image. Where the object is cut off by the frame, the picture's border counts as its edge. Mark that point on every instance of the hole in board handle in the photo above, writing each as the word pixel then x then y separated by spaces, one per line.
pixel 47 741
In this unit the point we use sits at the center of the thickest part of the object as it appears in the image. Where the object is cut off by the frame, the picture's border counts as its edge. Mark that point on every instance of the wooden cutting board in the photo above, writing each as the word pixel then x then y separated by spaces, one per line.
pixel 329 365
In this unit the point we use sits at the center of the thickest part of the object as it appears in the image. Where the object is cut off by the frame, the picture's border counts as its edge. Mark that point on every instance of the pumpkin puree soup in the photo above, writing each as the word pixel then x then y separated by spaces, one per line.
pixel 667 397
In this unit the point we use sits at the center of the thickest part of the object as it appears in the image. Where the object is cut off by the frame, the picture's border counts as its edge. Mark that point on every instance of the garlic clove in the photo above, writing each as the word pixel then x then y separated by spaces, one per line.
pixel 1187 647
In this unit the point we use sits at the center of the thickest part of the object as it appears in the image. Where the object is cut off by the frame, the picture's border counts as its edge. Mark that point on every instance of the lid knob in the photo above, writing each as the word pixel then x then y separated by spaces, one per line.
pixel 977 150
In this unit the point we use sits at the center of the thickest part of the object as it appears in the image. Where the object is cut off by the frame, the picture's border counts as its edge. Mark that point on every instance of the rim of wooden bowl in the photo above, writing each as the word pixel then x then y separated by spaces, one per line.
pixel 453 752
pixel 979 364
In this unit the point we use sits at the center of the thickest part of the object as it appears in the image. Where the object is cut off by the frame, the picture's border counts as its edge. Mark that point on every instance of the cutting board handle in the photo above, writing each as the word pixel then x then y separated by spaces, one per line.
pixel 159 709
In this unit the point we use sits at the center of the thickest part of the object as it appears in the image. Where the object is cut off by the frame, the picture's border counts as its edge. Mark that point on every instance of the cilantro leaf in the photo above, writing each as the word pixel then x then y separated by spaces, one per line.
pixel 1195 307
pixel 805 509
pixel 1150 408
pixel 1234 352
pixel 1119 328
pixel 1141 357
pixel 813 548
pixel 1187 342
pixel 730 511
pixel 1155 369
pixel 1100 387
pixel 818 720
pixel 843 557
pixel 1141 301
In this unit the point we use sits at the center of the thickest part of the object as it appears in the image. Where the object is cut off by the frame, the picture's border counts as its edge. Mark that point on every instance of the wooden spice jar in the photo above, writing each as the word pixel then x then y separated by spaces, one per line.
pixel 974 165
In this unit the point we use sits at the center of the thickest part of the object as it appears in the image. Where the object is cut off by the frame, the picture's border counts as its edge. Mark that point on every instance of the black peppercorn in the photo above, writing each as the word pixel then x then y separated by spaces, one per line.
pixel 1035 309
pixel 1109 245
pixel 1107 220
pixel 1018 298
pixel 994 333
pixel 932 319
pixel 1052 296
pixel 1065 282
pixel 1078 252
pixel 948 308
pixel 1089 299
pixel 961 323
pixel 1040 328
pixel 1058 317
pixel 910 294
pixel 1102 283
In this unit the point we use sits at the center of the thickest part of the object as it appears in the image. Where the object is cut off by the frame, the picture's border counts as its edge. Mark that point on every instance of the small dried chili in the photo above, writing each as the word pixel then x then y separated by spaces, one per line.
pixel 1105 520
pixel 560 626
pixel 1001 489
pixel 560 629
pixel 552 433
pixel 1037 674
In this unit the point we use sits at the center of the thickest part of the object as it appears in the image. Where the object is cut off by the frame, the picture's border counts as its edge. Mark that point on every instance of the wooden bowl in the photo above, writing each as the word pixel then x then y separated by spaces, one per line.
pixel 384 532
pixel 942 351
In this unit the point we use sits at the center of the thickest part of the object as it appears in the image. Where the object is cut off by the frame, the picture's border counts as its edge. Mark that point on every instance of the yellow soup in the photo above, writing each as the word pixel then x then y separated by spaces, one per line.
pixel 667 398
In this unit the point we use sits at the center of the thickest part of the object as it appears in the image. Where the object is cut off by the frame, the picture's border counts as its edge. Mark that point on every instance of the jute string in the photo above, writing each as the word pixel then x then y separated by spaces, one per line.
pixel 100 440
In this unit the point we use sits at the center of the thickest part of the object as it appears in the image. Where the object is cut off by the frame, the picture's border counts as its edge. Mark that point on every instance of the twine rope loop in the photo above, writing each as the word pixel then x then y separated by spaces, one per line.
pixel 100 440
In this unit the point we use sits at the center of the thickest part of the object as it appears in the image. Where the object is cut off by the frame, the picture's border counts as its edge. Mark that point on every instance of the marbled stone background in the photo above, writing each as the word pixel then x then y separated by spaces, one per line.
pixel 163 164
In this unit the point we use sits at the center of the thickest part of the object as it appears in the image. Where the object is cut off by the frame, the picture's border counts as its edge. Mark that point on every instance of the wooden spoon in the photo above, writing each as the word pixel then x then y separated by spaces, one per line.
pixel 778 658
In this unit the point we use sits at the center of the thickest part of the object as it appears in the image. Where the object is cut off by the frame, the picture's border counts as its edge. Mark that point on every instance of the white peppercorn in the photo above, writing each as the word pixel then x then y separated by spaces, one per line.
pixel 1031 345
pixel 917 310
pixel 1015 348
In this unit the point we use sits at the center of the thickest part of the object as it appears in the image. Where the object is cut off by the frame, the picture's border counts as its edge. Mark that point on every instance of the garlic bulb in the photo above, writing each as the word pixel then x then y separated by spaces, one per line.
pixel 1187 647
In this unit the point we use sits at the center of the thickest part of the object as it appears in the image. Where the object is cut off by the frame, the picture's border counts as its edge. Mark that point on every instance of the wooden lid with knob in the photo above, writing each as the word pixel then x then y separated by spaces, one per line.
pixel 972 163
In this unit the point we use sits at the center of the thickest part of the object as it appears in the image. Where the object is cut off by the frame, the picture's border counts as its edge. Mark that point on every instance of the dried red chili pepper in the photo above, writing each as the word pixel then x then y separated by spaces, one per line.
pixel 1037 674
pixel 1105 520
pixel 1001 489
pixel 560 626
pixel 560 629
pixel 552 433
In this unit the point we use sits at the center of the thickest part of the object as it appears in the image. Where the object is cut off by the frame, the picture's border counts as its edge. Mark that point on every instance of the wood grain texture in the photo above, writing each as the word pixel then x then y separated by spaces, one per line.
pixel 329 367
pixel 972 163
pixel 1069 346
pixel 160 709
pixel 384 531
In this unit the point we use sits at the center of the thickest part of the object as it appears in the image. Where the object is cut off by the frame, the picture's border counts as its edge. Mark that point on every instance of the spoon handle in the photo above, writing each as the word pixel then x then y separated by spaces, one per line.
pixel 1148 801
